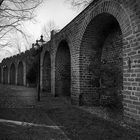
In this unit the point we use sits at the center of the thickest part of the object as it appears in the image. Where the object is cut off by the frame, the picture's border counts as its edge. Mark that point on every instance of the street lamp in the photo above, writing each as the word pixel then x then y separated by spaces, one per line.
pixel 38 47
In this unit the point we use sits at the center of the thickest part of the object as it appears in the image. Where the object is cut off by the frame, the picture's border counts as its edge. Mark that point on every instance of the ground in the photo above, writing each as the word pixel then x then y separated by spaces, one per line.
pixel 23 118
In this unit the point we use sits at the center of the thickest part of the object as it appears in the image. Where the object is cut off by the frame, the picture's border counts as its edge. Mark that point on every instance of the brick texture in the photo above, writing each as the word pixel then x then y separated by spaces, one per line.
pixel 101 54
pixel 63 70
pixel 96 54
pixel 20 74
pixel 0 75
pixel 47 73
pixel 5 75
pixel 12 74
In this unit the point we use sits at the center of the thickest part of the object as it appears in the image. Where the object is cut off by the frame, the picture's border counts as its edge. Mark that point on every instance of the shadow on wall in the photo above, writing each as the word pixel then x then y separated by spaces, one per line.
pixel 32 75
pixel 20 79
pixel 101 62
pixel 63 70
pixel 47 73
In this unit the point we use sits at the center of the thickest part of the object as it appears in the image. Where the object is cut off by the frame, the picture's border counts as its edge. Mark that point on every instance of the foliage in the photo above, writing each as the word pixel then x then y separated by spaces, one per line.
pixel 79 4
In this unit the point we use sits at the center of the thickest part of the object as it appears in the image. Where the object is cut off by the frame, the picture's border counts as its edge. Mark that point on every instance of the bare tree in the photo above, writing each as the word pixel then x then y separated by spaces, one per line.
pixel 14 12
pixel 79 4
pixel 18 43
pixel 13 15
pixel 47 28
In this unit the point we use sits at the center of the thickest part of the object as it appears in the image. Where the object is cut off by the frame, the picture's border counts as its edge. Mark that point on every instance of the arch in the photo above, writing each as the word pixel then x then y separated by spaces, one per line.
pixel 101 62
pixel 20 74
pixel 12 74
pixel 116 14
pixel 63 70
pixel 5 74
pixel 46 79
pixel 115 9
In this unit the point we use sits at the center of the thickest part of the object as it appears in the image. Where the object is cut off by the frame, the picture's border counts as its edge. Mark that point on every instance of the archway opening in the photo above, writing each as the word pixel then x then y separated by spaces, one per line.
pixel 46 79
pixel 101 63
pixel 20 79
pixel 5 75
pixel 63 70
pixel 12 74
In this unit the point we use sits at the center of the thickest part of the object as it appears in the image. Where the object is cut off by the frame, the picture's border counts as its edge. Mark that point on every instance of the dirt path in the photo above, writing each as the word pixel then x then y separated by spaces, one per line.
pixel 81 125
pixel 20 120
pixel 53 119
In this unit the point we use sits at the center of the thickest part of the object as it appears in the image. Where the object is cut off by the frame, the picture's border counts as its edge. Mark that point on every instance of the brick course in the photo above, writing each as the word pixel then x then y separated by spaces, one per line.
pixel 62 70
pixel 47 73
pixel 12 74
pixel 20 74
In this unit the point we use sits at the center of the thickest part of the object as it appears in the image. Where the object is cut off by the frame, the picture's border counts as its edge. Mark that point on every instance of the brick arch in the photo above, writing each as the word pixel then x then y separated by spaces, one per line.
pixel 115 9
pixel 63 70
pixel 101 43
pixel 12 74
pixel 20 73
pixel 63 37
pixel 107 25
pixel 5 74
pixel 46 72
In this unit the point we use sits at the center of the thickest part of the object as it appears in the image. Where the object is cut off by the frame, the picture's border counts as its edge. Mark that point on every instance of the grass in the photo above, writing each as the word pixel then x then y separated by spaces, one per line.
pixel 79 125
pixel 76 123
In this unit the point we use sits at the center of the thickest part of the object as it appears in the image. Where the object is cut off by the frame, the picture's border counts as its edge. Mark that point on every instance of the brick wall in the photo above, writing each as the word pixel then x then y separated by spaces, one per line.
pixel 101 42
pixel 101 39
pixel 111 70
pixel 12 74
pixel 90 43
pixel 5 75
pixel 20 74
pixel 63 72
pixel 0 74
pixel 46 73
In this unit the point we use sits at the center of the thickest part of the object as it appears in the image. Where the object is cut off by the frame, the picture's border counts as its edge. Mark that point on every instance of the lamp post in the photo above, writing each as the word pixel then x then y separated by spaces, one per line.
pixel 38 48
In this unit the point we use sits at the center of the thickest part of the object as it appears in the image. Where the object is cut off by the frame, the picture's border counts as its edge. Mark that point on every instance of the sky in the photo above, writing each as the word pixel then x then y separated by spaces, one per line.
pixel 58 11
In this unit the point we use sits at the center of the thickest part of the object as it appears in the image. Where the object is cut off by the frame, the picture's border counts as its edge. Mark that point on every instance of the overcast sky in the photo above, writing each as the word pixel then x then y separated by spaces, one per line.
pixel 58 11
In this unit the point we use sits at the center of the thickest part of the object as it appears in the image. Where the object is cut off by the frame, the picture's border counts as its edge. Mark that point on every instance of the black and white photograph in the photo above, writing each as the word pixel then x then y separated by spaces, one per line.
pixel 69 69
